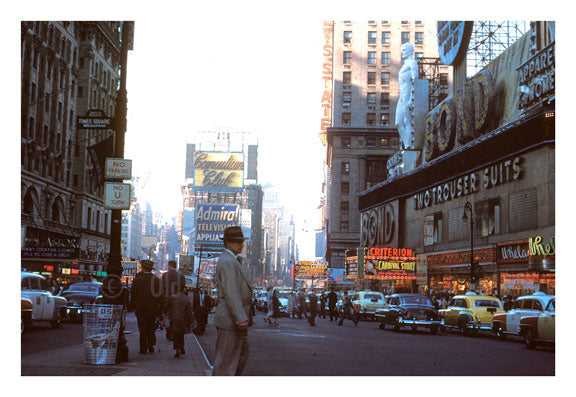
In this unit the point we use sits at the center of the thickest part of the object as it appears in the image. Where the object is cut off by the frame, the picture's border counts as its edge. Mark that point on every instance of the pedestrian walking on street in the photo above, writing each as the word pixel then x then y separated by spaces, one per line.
pixel 147 302
pixel 313 309
pixel 276 305
pixel 269 305
pixel 290 306
pixel 348 310
pixel 323 298
pixel 179 309
pixel 232 317
pixel 171 282
pixel 202 305
pixel 332 299
pixel 302 304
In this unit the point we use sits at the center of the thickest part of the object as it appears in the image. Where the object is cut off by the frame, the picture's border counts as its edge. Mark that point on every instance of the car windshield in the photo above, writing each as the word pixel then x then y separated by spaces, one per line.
pixel 372 296
pixel 552 305
pixel 414 300
pixel 284 295
pixel 486 303
pixel 84 288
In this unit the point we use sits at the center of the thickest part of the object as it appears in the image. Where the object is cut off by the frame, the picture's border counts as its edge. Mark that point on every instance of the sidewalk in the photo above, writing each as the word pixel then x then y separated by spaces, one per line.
pixel 68 361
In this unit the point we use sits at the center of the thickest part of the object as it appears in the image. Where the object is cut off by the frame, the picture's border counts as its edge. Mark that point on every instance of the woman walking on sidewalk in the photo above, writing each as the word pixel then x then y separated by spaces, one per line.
pixel 276 305
pixel 179 309
pixel 269 306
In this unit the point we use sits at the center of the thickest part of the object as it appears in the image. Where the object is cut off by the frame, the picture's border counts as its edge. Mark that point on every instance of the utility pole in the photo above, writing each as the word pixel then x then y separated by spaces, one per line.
pixel 113 290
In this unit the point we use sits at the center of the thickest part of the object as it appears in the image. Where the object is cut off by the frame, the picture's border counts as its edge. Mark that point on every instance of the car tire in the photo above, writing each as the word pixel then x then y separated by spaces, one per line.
pixel 529 339
pixel 463 327
pixel 381 325
pixel 434 329
pixel 396 326
pixel 57 322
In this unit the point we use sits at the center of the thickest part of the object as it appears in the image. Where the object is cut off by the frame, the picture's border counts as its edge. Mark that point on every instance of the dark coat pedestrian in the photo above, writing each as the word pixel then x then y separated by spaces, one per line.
pixel 179 309
pixel 323 299
pixel 348 313
pixel 147 302
pixel 202 305
pixel 332 299
pixel 313 309
pixel 302 305
pixel 172 281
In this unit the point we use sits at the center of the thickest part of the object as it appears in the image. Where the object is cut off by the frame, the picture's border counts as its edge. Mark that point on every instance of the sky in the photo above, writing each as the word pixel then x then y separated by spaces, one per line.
pixel 226 73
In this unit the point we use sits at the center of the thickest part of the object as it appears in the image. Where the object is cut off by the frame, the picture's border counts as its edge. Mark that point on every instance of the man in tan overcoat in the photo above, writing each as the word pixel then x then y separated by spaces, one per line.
pixel 232 317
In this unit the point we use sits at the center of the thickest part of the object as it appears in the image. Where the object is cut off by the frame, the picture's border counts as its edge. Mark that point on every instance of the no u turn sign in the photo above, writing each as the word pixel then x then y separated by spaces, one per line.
pixel 117 196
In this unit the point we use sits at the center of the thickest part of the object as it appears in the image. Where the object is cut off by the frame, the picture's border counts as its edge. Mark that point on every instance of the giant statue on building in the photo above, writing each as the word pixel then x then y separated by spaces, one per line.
pixel 405 107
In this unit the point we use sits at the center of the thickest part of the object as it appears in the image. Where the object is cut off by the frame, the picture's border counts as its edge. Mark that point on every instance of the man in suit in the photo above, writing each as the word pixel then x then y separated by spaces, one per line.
pixel 147 302
pixel 232 317
pixel 202 305
pixel 173 282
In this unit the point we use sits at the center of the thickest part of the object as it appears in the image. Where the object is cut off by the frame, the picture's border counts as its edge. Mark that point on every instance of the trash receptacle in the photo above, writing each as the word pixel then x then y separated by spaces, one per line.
pixel 101 330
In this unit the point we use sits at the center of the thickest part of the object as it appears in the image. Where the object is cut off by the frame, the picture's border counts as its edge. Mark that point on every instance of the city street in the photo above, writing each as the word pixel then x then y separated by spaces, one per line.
pixel 296 349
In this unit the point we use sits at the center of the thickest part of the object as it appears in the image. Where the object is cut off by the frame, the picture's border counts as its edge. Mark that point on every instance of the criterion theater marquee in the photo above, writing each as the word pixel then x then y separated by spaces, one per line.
pixel 381 263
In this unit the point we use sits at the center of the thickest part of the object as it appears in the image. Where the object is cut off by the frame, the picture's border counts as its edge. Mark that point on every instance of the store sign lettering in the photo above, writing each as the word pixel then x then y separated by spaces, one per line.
pixel 493 175
pixel 379 226
pixel 537 77
pixel 326 120
pixel 537 249
pixel 463 117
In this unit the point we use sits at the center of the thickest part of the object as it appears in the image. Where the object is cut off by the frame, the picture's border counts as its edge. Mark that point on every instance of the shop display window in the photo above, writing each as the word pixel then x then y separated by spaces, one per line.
pixel 433 229
pixel 488 217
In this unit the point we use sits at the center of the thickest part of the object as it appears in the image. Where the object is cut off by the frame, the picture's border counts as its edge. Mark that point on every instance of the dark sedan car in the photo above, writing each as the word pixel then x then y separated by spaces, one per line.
pixel 79 294
pixel 411 310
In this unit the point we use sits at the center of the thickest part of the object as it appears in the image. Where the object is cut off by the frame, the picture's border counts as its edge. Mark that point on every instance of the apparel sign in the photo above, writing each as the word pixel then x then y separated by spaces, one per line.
pixel 537 77
pixel 379 227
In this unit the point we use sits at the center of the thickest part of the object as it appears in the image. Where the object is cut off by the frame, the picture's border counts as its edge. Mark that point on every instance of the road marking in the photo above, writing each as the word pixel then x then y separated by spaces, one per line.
pixel 204 354
pixel 279 332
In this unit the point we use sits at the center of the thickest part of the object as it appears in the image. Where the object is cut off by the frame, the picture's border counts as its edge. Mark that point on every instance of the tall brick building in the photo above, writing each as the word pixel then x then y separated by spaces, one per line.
pixel 362 60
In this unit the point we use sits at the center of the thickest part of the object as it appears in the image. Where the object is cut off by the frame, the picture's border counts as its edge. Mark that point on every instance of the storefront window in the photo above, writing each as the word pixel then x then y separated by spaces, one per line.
pixel 488 216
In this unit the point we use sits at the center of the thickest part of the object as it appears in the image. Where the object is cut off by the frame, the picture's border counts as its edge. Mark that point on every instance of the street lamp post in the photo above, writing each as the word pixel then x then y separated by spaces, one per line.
pixel 468 207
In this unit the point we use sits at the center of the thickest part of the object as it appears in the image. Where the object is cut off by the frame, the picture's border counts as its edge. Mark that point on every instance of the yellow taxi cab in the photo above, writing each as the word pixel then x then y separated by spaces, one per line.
pixel 470 313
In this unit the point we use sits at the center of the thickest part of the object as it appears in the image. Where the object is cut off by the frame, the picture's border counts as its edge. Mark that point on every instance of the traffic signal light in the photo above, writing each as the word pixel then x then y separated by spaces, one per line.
pixel 473 278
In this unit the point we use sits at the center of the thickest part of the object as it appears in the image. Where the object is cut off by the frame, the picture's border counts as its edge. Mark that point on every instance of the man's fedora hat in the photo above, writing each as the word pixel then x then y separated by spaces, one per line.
pixel 233 233
pixel 147 264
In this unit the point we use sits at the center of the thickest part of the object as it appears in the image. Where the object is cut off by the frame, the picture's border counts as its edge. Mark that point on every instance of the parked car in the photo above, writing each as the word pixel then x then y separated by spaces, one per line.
pixel 45 305
pixel 411 310
pixel 262 301
pixel 367 302
pixel 541 327
pixel 530 305
pixel 26 309
pixel 79 294
pixel 470 313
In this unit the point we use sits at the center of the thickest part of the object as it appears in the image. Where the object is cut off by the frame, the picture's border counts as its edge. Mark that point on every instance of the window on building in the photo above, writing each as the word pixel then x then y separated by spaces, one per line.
pixel 371 37
pixel 376 171
pixel 418 55
pixel 33 93
pixel 385 98
pixel 418 22
pixel 371 98
pixel 405 37
pixel 371 78
pixel 385 22
pixel 347 37
pixel 344 207
pixel 89 218
pixel 370 142
pixel 433 229
pixel 385 78
pixel 385 38
pixel 419 38
pixel 345 168
pixel 371 57
pixel 75 180
pixel 347 58
pixel 384 142
pixel 487 217
pixel 343 226
pixel 405 22
pixel 346 97
pixel 384 119
pixel 385 58
pixel 346 141
pixel 344 187
pixel 347 77
pixel 346 118
pixel 444 80
pixel 370 118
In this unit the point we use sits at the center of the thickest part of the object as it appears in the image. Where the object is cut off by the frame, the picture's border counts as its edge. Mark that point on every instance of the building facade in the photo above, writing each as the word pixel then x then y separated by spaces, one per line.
pixel 491 161
pixel 362 60
pixel 67 69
